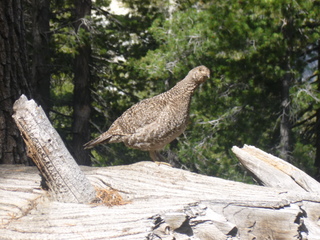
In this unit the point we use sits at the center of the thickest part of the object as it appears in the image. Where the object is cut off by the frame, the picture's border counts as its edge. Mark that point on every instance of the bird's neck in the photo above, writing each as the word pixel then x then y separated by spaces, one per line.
pixel 182 93
pixel 186 86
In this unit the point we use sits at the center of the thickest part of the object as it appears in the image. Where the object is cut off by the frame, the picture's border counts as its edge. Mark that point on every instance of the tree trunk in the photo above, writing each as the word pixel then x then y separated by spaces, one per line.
pixel 82 102
pixel 41 70
pixel 317 125
pixel 13 79
pixel 285 125
pixel 288 30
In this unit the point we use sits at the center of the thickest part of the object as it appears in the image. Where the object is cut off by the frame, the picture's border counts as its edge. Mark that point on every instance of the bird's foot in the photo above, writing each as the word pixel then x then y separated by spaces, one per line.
pixel 164 163
pixel 158 158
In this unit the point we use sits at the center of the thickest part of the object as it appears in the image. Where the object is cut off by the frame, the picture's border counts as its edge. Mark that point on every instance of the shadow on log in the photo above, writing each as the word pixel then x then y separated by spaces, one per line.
pixel 167 203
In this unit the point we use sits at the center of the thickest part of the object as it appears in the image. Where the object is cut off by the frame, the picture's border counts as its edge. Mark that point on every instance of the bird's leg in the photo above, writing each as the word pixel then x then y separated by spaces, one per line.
pixel 158 158
pixel 153 156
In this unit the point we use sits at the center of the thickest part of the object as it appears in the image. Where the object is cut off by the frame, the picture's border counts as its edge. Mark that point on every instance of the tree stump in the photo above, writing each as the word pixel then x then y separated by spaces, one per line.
pixel 63 176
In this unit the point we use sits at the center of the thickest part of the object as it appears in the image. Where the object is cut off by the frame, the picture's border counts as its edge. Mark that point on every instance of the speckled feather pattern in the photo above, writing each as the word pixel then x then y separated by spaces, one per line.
pixel 154 122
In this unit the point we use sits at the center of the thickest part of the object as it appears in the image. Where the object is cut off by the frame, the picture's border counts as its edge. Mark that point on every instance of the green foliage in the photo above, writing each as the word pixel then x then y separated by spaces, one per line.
pixel 61 112
pixel 304 155
pixel 249 45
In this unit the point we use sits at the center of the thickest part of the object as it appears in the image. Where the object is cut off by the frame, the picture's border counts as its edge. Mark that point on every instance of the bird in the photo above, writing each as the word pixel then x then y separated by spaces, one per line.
pixel 152 123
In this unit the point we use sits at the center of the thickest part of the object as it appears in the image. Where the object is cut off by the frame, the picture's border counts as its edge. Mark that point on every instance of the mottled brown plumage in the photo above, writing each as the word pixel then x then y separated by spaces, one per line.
pixel 154 122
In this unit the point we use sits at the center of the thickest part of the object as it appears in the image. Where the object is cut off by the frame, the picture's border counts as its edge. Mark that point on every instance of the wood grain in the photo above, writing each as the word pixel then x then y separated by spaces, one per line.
pixel 63 176
pixel 163 203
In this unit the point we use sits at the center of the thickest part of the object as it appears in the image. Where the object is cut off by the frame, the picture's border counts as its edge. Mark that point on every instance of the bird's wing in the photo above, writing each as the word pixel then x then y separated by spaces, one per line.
pixel 139 115
pixel 132 120
pixel 167 126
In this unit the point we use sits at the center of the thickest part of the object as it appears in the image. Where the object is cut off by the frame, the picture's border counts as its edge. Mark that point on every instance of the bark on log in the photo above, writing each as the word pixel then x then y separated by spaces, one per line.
pixel 63 176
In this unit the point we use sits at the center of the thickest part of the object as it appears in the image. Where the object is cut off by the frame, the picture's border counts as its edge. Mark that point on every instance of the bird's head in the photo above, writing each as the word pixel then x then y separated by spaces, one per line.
pixel 200 74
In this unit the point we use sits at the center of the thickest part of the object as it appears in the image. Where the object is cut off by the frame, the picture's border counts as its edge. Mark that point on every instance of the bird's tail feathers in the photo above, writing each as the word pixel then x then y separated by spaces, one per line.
pixel 101 139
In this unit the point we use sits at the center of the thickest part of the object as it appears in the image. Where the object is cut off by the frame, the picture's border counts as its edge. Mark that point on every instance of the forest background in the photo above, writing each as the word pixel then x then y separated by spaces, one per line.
pixel 86 65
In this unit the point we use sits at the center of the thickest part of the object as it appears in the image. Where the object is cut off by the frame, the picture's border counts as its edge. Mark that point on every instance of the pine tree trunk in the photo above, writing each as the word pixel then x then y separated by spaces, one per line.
pixel 81 102
pixel 285 127
pixel 41 53
pixel 287 80
pixel 317 125
pixel 13 78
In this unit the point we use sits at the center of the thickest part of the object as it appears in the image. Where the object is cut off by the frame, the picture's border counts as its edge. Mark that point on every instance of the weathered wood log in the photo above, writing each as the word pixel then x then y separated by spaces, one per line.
pixel 161 203
pixel 274 172
pixel 63 176
pixel 158 202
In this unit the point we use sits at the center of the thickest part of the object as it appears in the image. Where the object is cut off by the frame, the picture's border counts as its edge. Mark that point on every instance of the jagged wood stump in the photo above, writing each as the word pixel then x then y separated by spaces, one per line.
pixel 61 173
pixel 160 202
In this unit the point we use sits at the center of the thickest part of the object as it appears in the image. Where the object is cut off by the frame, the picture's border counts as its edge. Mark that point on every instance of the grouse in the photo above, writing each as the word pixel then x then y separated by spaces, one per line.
pixel 152 123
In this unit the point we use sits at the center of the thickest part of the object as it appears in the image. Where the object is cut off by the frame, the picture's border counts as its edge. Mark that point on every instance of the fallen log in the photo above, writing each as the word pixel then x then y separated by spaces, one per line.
pixel 271 171
pixel 159 202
